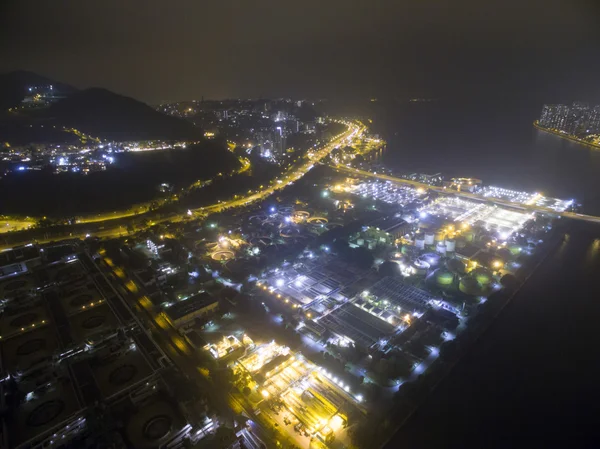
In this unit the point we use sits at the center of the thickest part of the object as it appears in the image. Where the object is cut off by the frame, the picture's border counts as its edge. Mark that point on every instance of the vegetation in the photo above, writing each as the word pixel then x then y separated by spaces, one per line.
pixel 133 180
pixel 107 115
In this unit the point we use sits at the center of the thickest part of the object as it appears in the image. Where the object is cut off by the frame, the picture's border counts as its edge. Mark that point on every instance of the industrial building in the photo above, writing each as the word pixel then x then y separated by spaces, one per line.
pixel 376 314
pixel 184 312
pixel 466 213
pixel 388 192
pixel 395 226
pixel 314 280
pixel 226 346
pixel 19 260
pixel 354 324
pixel 313 397
pixel 66 348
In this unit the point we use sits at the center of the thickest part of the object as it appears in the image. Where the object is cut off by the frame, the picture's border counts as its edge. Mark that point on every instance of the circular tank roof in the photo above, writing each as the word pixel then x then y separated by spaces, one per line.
pixel 483 276
pixel 443 277
pixel 421 264
pixel 455 265
pixel 469 286
pixel 431 258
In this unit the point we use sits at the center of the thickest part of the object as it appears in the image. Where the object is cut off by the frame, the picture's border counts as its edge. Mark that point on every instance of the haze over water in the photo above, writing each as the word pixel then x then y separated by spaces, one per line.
pixel 492 141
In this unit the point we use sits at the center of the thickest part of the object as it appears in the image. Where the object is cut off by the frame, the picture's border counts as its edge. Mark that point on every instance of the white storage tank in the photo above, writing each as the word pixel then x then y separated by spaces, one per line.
pixel 420 243
pixel 429 238
pixel 441 248
pixel 450 245
pixel 421 267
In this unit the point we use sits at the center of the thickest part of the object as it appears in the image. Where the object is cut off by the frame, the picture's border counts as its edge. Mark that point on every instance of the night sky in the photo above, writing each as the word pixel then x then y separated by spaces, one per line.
pixel 171 50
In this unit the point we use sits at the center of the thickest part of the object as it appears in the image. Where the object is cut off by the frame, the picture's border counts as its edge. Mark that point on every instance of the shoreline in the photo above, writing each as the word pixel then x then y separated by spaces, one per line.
pixel 547 251
pixel 567 137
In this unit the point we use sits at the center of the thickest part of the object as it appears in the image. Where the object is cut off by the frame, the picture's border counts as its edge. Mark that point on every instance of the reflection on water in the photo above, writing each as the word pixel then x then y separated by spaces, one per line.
pixel 501 147
pixel 592 254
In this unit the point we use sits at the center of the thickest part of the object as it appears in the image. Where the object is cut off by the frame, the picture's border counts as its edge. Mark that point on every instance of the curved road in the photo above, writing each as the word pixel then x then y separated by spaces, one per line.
pixel 117 228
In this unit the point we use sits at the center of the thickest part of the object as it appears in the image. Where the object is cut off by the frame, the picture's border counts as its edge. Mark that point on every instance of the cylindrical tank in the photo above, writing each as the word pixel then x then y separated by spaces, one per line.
pixel 469 286
pixel 421 267
pixel 420 243
pixel 360 242
pixel 439 236
pixel 504 254
pixel 455 266
pixel 515 249
pixel 429 237
pixel 482 276
pixel 443 278
pixel 441 248
pixel 431 258
pixel 450 245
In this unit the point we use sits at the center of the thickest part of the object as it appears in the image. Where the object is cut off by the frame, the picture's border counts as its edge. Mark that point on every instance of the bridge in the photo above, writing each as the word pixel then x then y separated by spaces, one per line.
pixel 467 195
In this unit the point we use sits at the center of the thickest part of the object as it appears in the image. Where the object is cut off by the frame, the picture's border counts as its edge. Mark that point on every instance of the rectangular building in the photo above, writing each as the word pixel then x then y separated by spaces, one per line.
pixel 185 312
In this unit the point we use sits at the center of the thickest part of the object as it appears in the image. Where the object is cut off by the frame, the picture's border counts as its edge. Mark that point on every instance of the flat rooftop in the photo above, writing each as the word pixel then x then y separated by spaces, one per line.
pixel 407 297
pixel 357 325
pixel 19 254
pixel 190 305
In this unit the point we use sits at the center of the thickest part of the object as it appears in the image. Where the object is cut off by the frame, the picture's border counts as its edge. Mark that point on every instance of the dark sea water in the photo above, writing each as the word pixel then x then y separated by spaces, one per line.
pixel 533 380
pixel 495 142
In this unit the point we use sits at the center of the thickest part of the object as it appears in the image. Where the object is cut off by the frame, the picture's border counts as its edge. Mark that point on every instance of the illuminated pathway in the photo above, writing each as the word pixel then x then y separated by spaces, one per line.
pixel 472 196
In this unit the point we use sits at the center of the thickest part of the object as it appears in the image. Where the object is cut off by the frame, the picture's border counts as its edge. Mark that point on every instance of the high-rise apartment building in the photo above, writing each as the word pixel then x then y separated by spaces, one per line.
pixel 594 121
pixel 578 119
pixel 279 142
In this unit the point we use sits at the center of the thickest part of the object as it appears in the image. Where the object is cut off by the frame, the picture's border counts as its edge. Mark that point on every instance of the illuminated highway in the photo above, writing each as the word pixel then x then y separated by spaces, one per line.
pixel 108 230
pixel 141 208
pixel 10 225
pixel 468 195
pixel 354 130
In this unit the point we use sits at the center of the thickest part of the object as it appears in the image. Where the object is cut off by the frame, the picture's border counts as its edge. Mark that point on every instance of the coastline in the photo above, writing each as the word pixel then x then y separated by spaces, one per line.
pixel 567 137
pixel 441 369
